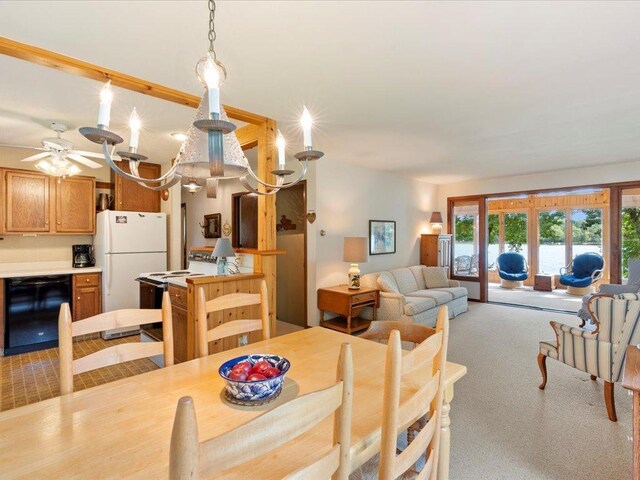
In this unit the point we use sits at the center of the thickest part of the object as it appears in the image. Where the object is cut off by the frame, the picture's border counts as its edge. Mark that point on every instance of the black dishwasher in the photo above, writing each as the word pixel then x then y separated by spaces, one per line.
pixel 32 305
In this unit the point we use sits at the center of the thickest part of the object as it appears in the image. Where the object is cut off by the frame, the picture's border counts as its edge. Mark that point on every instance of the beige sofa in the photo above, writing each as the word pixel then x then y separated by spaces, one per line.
pixel 415 293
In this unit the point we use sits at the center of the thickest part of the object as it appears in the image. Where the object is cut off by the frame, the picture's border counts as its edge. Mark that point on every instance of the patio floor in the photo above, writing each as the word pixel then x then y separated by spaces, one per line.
pixel 555 300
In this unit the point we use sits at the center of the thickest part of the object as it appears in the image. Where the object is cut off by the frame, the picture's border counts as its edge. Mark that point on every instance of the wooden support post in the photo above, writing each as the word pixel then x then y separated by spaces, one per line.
pixel 266 264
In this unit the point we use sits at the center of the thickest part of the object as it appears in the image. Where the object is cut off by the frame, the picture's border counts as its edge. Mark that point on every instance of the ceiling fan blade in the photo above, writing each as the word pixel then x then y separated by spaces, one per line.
pixel 35 157
pixel 83 160
pixel 24 146
pixel 89 154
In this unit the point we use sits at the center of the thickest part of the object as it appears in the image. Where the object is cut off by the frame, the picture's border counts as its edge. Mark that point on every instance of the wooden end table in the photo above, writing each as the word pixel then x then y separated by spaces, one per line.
pixel 348 304
pixel 544 282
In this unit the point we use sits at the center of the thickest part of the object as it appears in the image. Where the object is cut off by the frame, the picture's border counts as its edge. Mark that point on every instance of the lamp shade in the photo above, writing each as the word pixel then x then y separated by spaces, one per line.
pixel 223 248
pixel 355 249
pixel 436 217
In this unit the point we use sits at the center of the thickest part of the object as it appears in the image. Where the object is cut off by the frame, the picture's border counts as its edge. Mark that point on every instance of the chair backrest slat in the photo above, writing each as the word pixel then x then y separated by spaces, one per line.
pixel 236 327
pixel 423 354
pixel 124 352
pixel 115 319
pixel 67 329
pixel 432 351
pixel 269 431
pixel 233 327
pixel 415 449
pixel 409 332
pixel 322 469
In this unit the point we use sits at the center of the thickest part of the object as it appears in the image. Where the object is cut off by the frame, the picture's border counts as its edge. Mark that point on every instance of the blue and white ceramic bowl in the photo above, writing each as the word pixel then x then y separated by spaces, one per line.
pixel 258 391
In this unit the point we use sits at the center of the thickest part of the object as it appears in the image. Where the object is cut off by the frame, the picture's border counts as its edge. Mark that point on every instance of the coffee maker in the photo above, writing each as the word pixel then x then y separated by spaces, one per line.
pixel 83 256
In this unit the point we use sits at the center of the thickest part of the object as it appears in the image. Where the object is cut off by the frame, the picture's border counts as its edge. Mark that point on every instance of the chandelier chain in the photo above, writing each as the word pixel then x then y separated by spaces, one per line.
pixel 212 26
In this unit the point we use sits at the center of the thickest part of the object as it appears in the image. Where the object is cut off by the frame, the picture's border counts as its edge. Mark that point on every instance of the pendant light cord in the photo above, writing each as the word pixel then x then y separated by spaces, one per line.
pixel 212 26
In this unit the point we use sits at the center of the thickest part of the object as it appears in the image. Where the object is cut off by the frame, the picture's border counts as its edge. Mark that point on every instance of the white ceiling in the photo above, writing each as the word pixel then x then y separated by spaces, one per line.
pixel 444 91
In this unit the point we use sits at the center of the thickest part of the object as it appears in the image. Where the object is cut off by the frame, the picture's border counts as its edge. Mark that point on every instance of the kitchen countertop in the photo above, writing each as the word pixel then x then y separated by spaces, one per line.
pixel 33 269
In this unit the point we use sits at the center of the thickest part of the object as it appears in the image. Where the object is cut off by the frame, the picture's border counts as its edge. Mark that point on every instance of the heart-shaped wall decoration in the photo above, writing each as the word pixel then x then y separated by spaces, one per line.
pixel 311 216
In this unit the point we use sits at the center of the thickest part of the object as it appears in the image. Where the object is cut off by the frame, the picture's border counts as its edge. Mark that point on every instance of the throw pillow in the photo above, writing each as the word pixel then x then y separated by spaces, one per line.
pixel 435 277
pixel 386 283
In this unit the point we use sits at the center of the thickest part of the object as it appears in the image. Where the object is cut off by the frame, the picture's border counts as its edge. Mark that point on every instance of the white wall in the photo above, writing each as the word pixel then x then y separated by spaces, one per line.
pixel 346 197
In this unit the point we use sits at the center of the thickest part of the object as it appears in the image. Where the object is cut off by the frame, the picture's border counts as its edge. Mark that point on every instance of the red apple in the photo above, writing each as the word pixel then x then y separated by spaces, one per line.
pixel 261 367
pixel 238 375
pixel 244 366
pixel 254 377
pixel 271 372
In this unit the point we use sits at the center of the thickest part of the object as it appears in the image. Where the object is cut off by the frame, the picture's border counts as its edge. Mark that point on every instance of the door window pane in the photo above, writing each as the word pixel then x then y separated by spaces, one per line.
pixel 551 227
pixel 586 231
pixel 494 239
pixel 515 233
pixel 466 246
pixel 630 219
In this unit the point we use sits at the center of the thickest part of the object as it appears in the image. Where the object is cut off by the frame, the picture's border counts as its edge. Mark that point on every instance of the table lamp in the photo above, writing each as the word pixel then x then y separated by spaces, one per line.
pixel 355 251
pixel 436 222
pixel 222 250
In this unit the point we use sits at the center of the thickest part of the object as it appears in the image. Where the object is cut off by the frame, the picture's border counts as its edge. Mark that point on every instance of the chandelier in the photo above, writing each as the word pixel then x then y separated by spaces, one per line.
pixel 211 150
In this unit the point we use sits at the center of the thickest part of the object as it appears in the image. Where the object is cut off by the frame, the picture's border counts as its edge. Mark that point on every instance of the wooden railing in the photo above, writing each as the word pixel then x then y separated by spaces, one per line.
pixel 631 381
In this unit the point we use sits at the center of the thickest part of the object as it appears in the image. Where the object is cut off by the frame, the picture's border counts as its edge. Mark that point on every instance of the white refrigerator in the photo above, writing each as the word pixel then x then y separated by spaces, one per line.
pixel 127 244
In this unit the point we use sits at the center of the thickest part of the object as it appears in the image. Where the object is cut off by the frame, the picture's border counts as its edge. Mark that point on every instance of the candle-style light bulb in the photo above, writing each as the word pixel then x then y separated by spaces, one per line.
pixel 209 75
pixel 104 112
pixel 281 144
pixel 134 126
pixel 306 122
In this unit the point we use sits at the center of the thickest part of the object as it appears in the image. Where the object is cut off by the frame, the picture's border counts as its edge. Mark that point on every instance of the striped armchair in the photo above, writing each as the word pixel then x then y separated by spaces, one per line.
pixel 600 352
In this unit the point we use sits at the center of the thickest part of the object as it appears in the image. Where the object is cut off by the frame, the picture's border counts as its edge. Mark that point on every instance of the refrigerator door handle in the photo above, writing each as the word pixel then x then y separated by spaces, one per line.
pixel 109 268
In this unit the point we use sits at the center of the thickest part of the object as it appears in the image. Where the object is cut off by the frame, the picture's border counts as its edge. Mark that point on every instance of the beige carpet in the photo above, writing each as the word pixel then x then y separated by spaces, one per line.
pixel 558 299
pixel 504 427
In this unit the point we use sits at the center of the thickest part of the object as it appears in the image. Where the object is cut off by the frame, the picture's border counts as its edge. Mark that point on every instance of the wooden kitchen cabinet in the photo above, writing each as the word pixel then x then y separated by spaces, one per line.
pixel 32 202
pixel 129 196
pixel 87 295
pixel 75 205
pixel 27 206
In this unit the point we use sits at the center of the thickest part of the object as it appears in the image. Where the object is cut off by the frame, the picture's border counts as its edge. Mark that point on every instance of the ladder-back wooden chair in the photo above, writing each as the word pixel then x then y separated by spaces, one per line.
pixel 67 330
pixel 411 334
pixel 266 433
pixel 234 327
pixel 427 362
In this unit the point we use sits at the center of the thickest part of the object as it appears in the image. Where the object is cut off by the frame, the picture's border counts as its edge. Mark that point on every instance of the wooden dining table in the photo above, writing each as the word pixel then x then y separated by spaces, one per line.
pixel 123 429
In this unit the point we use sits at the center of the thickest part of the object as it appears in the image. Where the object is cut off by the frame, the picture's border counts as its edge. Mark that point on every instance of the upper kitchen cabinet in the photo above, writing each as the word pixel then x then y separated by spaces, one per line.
pixel 38 203
pixel 27 202
pixel 75 205
pixel 132 197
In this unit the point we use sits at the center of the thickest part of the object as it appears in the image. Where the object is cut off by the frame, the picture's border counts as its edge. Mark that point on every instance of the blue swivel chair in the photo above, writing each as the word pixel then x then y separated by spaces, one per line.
pixel 583 271
pixel 512 268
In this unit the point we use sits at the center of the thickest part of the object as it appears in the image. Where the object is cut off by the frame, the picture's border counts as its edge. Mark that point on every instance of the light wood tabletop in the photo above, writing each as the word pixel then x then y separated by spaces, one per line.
pixel 123 429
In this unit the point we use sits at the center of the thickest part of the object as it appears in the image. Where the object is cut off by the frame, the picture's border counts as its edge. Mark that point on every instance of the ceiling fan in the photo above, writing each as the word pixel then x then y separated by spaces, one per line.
pixel 58 155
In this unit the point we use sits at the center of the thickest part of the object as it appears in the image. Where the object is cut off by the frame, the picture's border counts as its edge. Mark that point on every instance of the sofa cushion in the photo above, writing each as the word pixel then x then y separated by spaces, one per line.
pixel 419 276
pixel 457 292
pixel 404 279
pixel 369 280
pixel 440 297
pixel 435 277
pixel 387 283
pixel 416 305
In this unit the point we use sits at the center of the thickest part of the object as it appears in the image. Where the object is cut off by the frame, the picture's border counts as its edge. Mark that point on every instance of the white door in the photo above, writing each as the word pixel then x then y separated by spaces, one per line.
pixel 119 288
pixel 137 232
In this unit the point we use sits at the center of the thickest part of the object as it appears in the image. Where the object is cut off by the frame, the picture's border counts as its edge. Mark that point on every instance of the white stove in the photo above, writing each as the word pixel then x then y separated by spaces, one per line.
pixel 200 264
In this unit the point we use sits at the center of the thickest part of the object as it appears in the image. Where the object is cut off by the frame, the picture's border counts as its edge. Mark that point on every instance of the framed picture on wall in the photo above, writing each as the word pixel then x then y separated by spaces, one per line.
pixel 382 237
pixel 211 228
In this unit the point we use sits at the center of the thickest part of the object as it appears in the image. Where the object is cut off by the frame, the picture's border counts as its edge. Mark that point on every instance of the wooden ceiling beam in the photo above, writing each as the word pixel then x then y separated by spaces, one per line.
pixel 81 68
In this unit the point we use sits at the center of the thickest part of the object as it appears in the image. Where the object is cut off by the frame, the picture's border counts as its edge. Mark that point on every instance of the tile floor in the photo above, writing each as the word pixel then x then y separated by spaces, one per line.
pixel 32 377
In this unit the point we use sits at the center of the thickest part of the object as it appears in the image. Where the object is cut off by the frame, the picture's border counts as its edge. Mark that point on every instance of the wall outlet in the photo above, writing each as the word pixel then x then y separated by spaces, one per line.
pixel 243 340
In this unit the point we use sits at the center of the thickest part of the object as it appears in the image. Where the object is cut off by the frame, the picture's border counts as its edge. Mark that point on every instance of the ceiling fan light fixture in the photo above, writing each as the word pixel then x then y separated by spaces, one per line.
pixel 57 167
pixel 192 186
